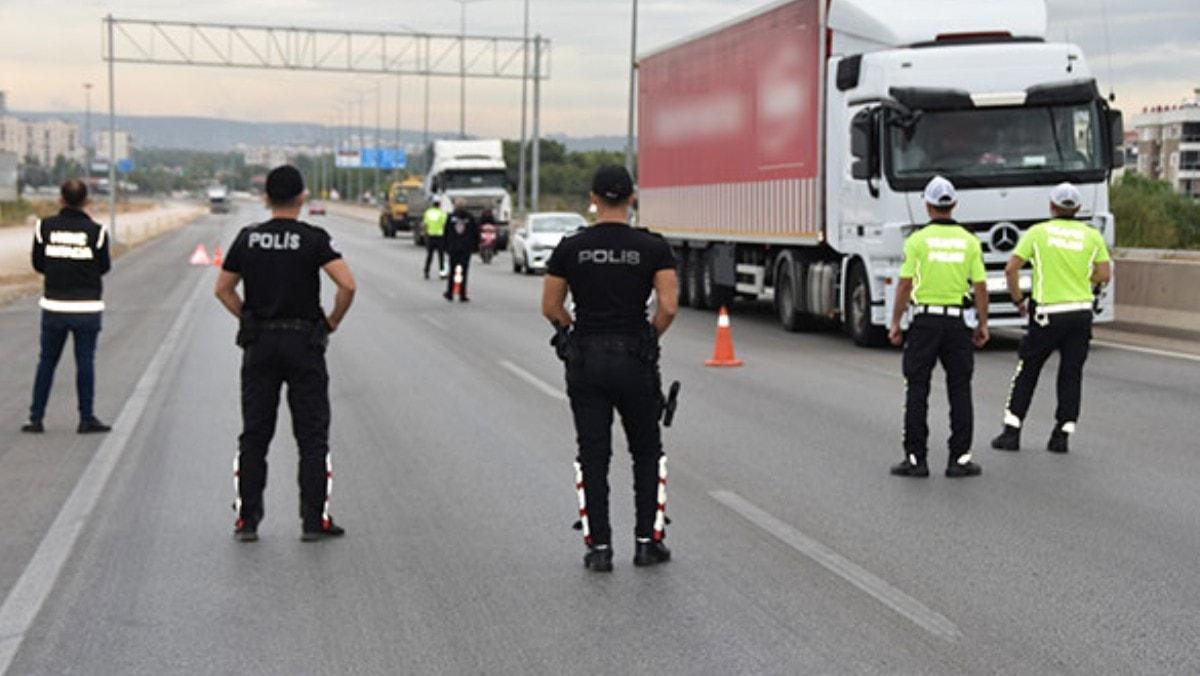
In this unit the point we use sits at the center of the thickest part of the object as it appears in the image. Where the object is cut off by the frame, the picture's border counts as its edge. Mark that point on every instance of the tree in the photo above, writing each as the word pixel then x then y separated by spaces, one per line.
pixel 1150 214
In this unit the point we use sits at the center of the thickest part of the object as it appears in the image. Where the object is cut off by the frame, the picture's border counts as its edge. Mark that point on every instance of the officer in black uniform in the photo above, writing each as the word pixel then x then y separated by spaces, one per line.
pixel 283 334
pixel 461 240
pixel 71 251
pixel 611 353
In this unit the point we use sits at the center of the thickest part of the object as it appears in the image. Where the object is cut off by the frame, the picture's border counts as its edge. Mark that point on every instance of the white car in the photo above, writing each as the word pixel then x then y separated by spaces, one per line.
pixel 532 243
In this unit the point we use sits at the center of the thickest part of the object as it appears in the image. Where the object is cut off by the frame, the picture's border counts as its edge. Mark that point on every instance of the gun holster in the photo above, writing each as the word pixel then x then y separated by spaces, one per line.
pixel 564 344
pixel 248 332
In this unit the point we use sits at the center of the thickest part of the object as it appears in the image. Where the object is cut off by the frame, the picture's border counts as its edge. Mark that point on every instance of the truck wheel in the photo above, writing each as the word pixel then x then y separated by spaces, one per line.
pixel 787 299
pixel 708 287
pixel 681 274
pixel 694 293
pixel 857 313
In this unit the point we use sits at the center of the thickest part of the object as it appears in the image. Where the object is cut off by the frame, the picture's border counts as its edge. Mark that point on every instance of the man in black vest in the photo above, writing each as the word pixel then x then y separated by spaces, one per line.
pixel 71 252
pixel 462 240
pixel 283 335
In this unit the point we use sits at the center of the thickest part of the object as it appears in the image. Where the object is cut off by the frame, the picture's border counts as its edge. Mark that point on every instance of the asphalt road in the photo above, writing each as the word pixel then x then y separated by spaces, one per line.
pixel 795 551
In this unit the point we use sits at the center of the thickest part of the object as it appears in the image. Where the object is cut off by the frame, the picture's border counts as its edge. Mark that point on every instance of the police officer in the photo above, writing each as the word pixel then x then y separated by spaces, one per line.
pixel 939 259
pixel 71 251
pixel 435 226
pixel 462 240
pixel 1068 257
pixel 611 354
pixel 283 333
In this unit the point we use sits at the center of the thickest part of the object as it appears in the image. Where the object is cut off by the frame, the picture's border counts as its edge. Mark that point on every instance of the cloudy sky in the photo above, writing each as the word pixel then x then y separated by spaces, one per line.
pixel 48 48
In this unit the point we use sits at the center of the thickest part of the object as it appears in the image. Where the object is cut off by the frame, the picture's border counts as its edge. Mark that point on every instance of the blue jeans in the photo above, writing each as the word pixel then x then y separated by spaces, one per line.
pixel 85 327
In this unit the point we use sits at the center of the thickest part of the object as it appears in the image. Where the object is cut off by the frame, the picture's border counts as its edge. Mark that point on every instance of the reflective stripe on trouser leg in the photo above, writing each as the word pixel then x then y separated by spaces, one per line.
pixel 237 488
pixel 325 518
pixel 660 514
pixel 1011 419
pixel 582 495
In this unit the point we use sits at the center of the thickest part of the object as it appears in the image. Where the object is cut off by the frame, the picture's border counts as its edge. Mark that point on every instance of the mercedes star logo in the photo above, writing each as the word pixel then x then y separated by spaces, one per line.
pixel 1003 237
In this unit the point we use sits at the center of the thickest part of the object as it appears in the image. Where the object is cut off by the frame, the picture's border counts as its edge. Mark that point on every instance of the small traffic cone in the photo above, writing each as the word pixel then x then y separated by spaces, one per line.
pixel 200 256
pixel 723 350
pixel 216 257
pixel 458 280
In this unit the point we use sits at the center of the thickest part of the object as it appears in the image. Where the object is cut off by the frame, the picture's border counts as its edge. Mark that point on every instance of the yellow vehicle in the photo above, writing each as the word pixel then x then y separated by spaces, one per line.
pixel 403 208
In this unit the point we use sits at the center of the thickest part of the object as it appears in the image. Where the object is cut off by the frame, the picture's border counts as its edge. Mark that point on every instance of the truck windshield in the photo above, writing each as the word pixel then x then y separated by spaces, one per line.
pixel 998 147
pixel 474 180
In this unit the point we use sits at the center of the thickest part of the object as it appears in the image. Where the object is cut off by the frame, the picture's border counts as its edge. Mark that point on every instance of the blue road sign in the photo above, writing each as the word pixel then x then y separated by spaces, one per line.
pixel 124 166
pixel 383 158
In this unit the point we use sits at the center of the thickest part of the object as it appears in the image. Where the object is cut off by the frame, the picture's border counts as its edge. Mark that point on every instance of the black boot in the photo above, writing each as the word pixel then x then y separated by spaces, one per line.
pixel 33 427
pixel 912 466
pixel 245 531
pixel 1009 439
pixel 963 467
pixel 323 531
pixel 92 426
pixel 599 559
pixel 1058 441
pixel 650 553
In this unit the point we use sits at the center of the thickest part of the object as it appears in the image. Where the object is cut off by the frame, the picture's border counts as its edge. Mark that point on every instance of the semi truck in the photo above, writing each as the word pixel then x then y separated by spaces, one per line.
pixel 783 154
pixel 475 171
pixel 218 199
pixel 404 205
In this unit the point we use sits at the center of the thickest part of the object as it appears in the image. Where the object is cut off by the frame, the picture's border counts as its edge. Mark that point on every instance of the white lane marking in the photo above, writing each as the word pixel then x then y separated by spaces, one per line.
pixel 546 388
pixel 29 594
pixel 1148 350
pixel 435 323
pixel 883 592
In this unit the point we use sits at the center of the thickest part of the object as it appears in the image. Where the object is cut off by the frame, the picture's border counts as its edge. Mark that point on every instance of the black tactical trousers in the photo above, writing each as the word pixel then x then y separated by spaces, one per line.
pixel 601 378
pixel 931 339
pixel 1070 333
pixel 434 245
pixel 276 358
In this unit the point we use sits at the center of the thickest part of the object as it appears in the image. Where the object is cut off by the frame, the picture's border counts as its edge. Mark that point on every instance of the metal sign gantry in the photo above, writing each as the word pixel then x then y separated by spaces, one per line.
pixel 322 50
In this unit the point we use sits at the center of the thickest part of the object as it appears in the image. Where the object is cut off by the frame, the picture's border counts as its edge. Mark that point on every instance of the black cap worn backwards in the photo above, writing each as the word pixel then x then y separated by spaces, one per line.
pixel 284 184
pixel 613 183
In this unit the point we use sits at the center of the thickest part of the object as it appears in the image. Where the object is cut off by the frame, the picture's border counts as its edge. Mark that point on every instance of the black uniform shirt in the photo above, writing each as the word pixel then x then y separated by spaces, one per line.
pixel 280 263
pixel 462 232
pixel 610 269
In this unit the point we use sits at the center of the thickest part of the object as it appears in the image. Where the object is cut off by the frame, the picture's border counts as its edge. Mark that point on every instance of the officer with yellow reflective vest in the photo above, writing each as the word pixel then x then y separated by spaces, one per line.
pixel 1068 257
pixel 435 230
pixel 942 261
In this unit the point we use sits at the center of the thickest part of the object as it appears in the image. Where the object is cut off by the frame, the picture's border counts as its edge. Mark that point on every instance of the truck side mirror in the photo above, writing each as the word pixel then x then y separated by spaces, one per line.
pixel 864 144
pixel 1116 132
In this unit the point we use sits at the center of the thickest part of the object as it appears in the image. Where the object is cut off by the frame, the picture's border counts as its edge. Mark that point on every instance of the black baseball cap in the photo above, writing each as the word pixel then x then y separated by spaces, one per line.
pixel 613 183
pixel 284 184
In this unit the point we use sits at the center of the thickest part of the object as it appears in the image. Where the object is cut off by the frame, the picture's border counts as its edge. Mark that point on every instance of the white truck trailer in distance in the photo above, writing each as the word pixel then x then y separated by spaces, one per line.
pixel 783 154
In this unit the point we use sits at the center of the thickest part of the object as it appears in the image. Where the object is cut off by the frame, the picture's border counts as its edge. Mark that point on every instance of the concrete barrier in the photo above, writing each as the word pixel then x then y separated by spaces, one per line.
pixel 1158 291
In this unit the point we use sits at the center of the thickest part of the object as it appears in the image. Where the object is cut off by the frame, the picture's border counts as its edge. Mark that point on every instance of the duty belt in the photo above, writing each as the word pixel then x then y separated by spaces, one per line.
pixel 941 310
pixel 1042 313
pixel 286 325
pixel 616 341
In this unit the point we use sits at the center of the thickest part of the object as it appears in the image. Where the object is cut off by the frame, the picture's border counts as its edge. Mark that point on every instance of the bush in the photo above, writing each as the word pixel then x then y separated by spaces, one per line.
pixel 1151 215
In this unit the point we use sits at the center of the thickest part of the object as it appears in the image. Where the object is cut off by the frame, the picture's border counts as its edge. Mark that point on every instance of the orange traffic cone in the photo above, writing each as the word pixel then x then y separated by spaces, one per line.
pixel 723 351
pixel 199 256
pixel 216 257
pixel 458 280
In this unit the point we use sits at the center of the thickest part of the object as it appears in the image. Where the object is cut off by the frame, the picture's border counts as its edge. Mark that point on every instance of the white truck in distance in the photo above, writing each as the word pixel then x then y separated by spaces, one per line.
pixel 783 154
pixel 474 171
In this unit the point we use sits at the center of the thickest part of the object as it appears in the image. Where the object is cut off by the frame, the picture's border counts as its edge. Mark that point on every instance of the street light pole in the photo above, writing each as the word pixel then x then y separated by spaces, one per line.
pixel 112 134
pixel 378 132
pixel 537 122
pixel 462 71
pixel 632 89
pixel 522 187
pixel 87 127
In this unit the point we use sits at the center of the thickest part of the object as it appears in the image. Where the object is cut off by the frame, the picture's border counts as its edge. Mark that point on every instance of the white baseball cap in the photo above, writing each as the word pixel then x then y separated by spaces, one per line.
pixel 1066 196
pixel 940 192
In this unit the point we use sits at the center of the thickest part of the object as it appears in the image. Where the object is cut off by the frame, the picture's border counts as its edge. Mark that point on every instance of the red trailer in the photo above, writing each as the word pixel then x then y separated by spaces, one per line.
pixel 729 131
